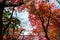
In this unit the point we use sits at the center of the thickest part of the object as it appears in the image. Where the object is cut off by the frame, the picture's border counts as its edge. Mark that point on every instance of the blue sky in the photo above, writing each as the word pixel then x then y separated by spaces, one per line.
pixel 23 17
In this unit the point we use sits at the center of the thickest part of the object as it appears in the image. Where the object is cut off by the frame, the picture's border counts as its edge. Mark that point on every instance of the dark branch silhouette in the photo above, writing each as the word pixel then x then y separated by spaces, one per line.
pixel 58 1
pixel 2 6
pixel 10 4
pixel 8 22
pixel 48 20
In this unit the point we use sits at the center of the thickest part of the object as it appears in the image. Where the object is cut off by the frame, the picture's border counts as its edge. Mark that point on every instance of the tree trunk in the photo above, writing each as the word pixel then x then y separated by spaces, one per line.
pixel 46 34
pixel 1 22
pixel 45 30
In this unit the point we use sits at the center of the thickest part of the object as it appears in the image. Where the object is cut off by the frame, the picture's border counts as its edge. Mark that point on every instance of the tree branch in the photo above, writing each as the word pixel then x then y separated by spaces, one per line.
pixel 3 2
pixel 10 5
pixel 58 1
pixel 43 23
pixel 42 20
pixel 8 22
pixel 48 20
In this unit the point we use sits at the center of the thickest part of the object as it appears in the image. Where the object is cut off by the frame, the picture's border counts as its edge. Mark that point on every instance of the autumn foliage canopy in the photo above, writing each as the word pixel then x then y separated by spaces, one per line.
pixel 43 16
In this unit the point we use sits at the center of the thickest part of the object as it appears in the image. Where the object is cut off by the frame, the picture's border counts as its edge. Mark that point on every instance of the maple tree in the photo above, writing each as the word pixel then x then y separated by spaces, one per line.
pixel 42 16
pixel 45 20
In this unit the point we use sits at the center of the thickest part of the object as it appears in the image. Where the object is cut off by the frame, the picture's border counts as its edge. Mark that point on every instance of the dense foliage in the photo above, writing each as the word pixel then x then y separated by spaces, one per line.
pixel 44 18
